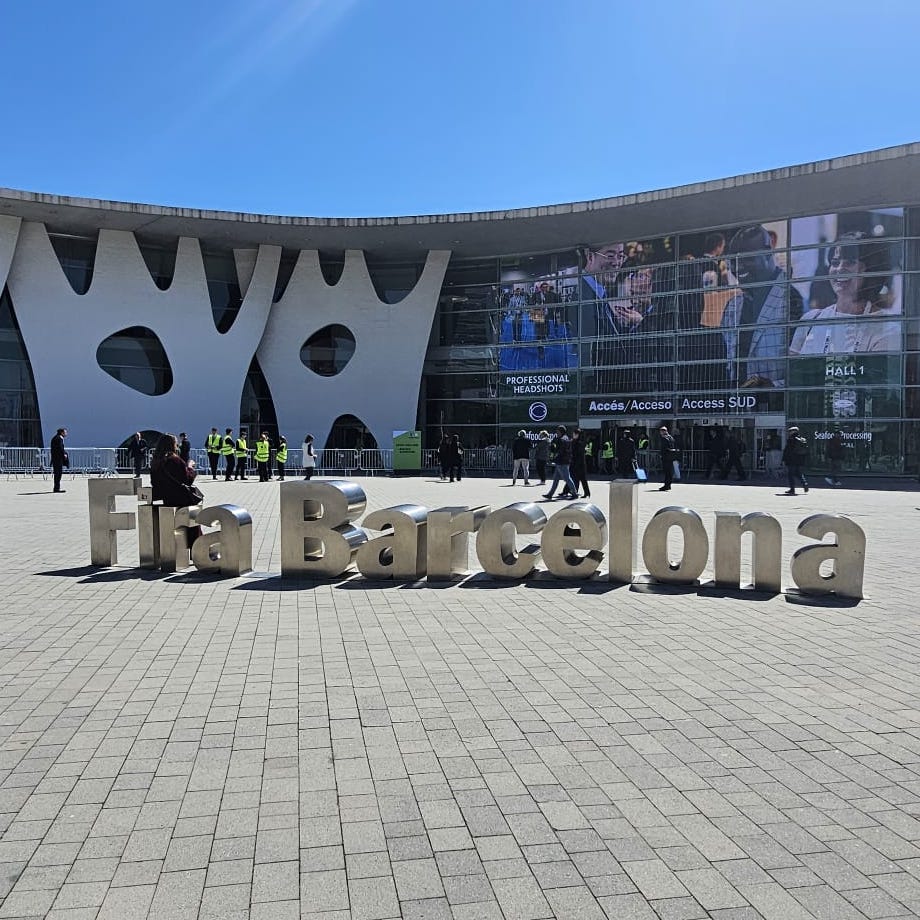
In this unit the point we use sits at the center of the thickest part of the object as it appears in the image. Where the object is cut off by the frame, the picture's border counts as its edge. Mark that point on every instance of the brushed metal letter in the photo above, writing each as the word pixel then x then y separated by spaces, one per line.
pixel 496 544
pixel 655 546
pixel 148 529
pixel 848 554
pixel 400 553
pixel 623 513
pixel 766 561
pixel 317 536
pixel 449 529
pixel 579 526
pixel 229 550
pixel 105 521
pixel 173 525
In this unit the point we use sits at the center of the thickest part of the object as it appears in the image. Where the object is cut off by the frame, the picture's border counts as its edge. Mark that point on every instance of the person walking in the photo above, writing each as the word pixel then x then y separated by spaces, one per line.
pixel 835 453
pixel 228 452
pixel 59 458
pixel 309 456
pixel 520 454
pixel 541 455
pixel 137 450
pixel 736 448
pixel 580 463
pixel 668 450
pixel 185 447
pixel 241 452
pixel 563 445
pixel 263 457
pixel 795 455
pixel 212 447
pixel 281 457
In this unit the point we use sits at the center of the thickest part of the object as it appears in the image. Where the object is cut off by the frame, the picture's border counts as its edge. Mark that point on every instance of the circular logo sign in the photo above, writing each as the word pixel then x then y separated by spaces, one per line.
pixel 538 411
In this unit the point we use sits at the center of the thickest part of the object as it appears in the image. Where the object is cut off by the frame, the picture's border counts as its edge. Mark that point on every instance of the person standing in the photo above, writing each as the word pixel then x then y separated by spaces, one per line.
pixel 227 450
pixel 563 445
pixel 309 456
pixel 455 459
pixel 281 457
pixel 444 455
pixel 626 456
pixel 212 446
pixel 736 450
pixel 715 451
pixel 241 452
pixel 541 455
pixel 580 464
pixel 607 455
pixel 668 450
pixel 59 458
pixel 185 447
pixel 834 453
pixel 263 456
pixel 137 450
pixel 795 453
pixel 520 454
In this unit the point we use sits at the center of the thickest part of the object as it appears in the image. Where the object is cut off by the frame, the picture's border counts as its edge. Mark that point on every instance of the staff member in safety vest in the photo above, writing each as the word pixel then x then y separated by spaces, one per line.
pixel 281 457
pixel 589 454
pixel 242 452
pixel 263 454
pixel 212 446
pixel 227 452
pixel 607 456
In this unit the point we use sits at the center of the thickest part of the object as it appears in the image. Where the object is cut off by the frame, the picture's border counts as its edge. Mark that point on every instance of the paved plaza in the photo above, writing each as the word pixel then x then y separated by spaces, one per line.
pixel 180 746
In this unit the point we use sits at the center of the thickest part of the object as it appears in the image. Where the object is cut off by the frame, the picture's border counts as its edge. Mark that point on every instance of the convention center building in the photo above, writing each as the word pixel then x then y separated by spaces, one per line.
pixel 752 303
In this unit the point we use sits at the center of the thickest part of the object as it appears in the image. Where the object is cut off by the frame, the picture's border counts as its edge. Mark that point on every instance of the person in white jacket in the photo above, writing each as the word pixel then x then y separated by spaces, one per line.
pixel 309 456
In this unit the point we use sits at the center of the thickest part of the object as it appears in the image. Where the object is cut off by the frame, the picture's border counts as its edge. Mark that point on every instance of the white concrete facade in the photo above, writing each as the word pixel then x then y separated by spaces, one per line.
pixel 62 331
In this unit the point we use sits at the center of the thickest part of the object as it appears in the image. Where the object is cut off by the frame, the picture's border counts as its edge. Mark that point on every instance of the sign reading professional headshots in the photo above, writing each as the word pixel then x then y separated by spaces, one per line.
pixel 543 383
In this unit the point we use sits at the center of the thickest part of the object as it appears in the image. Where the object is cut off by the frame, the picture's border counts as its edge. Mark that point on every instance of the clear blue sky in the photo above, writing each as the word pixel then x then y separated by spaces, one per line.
pixel 384 107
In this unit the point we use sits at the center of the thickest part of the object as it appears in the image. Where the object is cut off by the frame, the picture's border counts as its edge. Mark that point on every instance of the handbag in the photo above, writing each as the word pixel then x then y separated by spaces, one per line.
pixel 66 461
pixel 190 492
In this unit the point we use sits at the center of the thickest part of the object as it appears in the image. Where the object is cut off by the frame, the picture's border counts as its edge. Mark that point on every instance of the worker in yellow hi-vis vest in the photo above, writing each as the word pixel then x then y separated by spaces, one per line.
pixel 242 453
pixel 212 444
pixel 281 457
pixel 263 455
pixel 228 452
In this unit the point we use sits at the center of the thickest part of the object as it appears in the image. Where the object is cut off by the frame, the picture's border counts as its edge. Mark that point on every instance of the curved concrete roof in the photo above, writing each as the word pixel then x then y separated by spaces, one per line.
pixel 879 177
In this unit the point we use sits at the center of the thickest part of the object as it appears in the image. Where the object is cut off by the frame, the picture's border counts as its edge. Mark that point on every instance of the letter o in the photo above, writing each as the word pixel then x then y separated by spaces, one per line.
pixel 655 546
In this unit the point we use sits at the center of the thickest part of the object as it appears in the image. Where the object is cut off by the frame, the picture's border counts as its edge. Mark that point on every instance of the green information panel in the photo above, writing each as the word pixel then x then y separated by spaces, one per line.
pixel 407 450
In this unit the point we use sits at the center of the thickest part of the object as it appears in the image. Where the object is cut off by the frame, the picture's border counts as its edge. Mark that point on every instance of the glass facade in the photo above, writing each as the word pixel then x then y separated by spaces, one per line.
pixel 753 326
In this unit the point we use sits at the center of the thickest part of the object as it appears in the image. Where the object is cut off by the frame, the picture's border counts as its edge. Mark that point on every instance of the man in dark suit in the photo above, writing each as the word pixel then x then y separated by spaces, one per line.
pixel 668 449
pixel 59 458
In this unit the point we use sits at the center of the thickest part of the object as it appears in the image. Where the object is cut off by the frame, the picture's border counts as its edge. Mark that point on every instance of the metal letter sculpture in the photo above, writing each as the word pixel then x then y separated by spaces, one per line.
pixel 623 513
pixel 105 521
pixel 695 549
pixel 766 562
pixel 400 553
pixel 848 555
pixel 496 544
pixel 229 550
pixel 580 526
pixel 174 525
pixel 317 536
pixel 148 529
pixel 449 532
